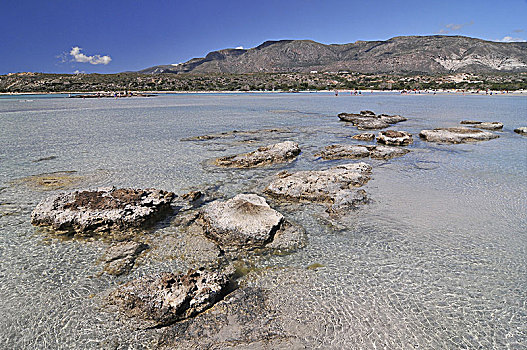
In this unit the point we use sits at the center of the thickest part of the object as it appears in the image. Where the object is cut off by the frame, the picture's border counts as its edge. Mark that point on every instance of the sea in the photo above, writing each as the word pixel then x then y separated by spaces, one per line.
pixel 436 260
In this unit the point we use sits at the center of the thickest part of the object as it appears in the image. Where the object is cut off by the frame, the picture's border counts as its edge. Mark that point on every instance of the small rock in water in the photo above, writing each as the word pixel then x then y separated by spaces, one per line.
pixel 44 159
pixel 277 153
pixel 102 210
pixel 120 257
pixel 360 151
pixel 244 221
pixel 483 125
pixel 521 130
pixel 395 138
pixel 333 186
pixel 456 135
pixel 366 136
pixel 165 298
pixel 368 120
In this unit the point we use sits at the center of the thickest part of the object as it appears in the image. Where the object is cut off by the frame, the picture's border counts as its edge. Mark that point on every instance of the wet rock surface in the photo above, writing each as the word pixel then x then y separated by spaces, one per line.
pixel 246 221
pixel 483 125
pixel 245 319
pixel 521 130
pixel 366 136
pixel 395 138
pixel 102 210
pixel 165 298
pixel 361 151
pixel 120 257
pixel 367 120
pixel 277 153
pixel 332 186
pixel 239 133
pixel 456 135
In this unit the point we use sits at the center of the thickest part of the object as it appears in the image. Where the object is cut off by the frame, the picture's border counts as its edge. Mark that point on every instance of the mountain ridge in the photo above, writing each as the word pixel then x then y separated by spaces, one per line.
pixel 435 54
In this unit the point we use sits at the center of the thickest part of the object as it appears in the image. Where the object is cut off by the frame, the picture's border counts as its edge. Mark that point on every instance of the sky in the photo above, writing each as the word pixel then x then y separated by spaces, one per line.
pixel 95 36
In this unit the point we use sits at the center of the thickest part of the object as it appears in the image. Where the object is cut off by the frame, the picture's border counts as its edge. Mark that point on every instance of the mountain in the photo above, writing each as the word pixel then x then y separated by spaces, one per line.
pixel 404 54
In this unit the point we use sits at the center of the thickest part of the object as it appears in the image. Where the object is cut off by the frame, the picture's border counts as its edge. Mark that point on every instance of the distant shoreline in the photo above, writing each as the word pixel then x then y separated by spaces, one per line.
pixel 341 92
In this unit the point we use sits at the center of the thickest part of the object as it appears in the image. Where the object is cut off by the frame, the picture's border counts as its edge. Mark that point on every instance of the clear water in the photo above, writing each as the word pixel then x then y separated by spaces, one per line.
pixel 437 260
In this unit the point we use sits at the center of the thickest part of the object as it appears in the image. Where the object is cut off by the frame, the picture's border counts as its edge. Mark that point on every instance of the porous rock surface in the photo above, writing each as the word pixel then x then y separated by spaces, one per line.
pixel 165 298
pixel 367 120
pixel 244 221
pixel 456 135
pixel 334 186
pixel 395 138
pixel 360 151
pixel 483 125
pixel 521 130
pixel 276 153
pixel 365 136
pixel 102 210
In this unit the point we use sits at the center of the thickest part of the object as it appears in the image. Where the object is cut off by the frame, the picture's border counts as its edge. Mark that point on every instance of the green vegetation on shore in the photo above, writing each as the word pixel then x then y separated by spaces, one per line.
pixel 44 82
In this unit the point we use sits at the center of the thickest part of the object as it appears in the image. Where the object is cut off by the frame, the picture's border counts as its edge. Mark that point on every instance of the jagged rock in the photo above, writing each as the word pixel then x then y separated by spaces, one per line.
pixel 102 210
pixel 332 186
pixel 366 136
pixel 483 125
pixel 368 120
pixel 245 221
pixel 277 153
pixel 360 151
pixel 165 298
pixel 521 130
pixel 395 138
pixel 456 135
pixel 120 257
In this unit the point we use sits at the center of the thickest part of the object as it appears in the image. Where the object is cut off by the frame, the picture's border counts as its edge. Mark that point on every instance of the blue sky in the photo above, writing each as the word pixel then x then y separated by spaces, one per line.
pixel 109 36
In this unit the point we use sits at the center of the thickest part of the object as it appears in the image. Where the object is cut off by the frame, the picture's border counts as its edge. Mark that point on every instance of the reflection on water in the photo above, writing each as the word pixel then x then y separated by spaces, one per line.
pixel 438 259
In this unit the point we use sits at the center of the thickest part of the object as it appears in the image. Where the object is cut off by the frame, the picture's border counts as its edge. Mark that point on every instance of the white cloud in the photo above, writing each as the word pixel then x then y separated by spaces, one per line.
pixel 78 56
pixel 239 48
pixel 510 39
pixel 454 27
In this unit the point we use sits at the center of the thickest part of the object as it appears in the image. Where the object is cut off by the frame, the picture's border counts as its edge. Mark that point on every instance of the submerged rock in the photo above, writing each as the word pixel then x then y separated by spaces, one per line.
pixel 396 138
pixel 333 186
pixel 53 181
pixel 239 133
pixel 521 130
pixel 165 298
pixel 483 125
pixel 277 153
pixel 366 136
pixel 360 151
pixel 102 210
pixel 456 135
pixel 244 221
pixel 368 120
pixel 120 257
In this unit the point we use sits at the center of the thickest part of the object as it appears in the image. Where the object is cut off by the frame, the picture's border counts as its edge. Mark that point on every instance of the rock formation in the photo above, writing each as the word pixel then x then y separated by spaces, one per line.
pixel 369 120
pixel 456 135
pixel 277 153
pixel 395 138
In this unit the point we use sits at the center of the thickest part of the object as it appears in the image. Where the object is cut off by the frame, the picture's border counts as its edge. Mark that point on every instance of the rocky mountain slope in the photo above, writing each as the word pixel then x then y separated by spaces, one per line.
pixel 407 54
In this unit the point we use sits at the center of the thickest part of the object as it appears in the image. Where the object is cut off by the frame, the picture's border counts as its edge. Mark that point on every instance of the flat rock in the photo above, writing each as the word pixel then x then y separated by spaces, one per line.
pixel 245 220
pixel 277 153
pixel 120 257
pixel 329 186
pixel 395 138
pixel 521 130
pixel 365 136
pixel 165 298
pixel 102 210
pixel 360 151
pixel 456 135
pixel 366 120
pixel 483 125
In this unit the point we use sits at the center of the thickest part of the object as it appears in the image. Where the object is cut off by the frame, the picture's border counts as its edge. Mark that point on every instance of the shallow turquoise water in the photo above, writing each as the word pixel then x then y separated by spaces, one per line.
pixel 437 260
